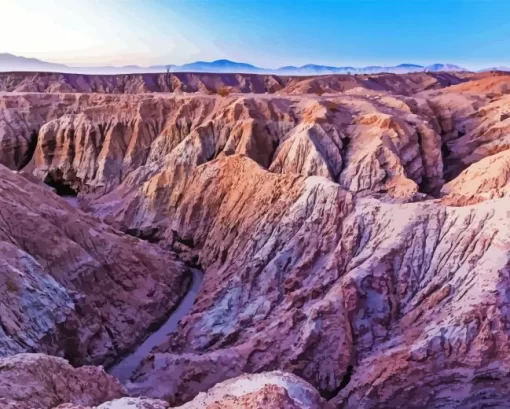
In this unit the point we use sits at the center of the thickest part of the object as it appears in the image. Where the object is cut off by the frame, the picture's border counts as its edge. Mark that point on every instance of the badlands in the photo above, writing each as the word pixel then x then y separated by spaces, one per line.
pixel 229 241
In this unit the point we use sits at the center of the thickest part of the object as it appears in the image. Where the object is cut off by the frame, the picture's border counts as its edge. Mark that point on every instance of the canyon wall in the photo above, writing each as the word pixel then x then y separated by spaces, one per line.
pixel 356 237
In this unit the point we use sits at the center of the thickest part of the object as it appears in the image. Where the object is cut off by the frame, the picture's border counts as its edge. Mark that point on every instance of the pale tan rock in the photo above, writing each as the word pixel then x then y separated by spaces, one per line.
pixel 134 403
pixel 272 390
pixel 324 253
pixel 123 403
pixel 37 381
pixel 289 261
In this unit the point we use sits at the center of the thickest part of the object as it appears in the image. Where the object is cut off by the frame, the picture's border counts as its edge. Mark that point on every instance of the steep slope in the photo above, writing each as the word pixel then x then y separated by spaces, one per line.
pixel 366 143
pixel 303 277
pixel 356 239
pixel 474 125
pixel 72 286
pixel 273 390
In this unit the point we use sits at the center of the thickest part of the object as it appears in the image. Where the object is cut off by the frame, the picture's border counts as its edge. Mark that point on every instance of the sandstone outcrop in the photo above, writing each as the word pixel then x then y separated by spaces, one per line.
pixel 483 180
pixel 273 390
pixel 352 237
pixel 72 286
pixel 123 403
pixel 366 143
pixel 21 117
pixel 38 381
pixel 303 276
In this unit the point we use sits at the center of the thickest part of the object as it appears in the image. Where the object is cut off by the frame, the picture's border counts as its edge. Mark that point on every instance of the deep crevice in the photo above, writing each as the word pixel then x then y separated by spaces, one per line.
pixel 29 154
pixel 430 186
pixel 452 167
pixel 55 179
pixel 150 234
pixel 331 394
pixel 346 140
pixel 187 242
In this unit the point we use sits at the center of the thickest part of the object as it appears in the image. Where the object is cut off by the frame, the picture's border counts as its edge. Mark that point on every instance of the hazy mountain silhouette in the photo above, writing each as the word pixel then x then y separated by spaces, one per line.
pixel 10 62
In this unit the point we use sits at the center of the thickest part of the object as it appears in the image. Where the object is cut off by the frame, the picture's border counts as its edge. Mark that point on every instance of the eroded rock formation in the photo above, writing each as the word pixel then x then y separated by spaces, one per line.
pixel 273 390
pixel 367 144
pixel 38 381
pixel 211 83
pixel 72 286
pixel 354 236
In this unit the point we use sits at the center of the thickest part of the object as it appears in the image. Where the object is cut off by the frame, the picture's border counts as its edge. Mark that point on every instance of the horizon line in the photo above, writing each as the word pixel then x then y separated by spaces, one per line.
pixel 135 65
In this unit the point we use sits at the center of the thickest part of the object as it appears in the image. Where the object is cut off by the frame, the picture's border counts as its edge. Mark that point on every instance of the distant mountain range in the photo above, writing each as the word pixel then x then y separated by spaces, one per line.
pixel 9 62
pixel 501 68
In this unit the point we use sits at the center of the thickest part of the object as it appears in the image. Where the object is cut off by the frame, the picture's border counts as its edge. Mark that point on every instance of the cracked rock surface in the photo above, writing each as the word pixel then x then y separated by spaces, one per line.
pixel 38 381
pixel 354 238
pixel 72 286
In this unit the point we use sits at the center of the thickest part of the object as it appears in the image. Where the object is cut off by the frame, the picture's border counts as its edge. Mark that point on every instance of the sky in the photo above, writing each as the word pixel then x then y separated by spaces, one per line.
pixel 267 33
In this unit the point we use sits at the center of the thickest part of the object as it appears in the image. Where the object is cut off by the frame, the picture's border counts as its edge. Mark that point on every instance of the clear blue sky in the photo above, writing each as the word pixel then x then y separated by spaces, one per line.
pixel 269 33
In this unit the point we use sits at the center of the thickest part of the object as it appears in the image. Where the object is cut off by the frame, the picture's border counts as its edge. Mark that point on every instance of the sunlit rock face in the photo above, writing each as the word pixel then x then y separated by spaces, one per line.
pixel 272 390
pixel 354 237
pixel 365 143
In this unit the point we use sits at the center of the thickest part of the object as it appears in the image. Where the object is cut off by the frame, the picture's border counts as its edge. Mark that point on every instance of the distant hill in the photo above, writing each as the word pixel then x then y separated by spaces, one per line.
pixel 311 69
pixel 10 62
pixel 495 69
pixel 444 67
pixel 219 66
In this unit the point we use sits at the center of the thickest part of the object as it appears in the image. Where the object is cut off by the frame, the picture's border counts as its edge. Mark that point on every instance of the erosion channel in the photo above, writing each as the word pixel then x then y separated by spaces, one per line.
pixel 125 368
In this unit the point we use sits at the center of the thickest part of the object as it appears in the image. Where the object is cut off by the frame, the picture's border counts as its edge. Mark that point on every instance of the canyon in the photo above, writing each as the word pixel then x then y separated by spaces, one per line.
pixel 347 239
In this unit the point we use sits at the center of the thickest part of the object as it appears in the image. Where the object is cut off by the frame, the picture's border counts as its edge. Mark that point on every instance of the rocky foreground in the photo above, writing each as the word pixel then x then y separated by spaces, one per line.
pixel 354 238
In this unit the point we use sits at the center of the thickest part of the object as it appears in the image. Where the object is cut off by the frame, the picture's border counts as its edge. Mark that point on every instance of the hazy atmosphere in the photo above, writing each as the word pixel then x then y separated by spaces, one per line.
pixel 470 33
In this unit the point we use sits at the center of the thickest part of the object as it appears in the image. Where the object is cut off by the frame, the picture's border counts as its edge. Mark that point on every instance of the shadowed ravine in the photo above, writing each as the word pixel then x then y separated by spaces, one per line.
pixel 356 239
pixel 72 200
pixel 125 368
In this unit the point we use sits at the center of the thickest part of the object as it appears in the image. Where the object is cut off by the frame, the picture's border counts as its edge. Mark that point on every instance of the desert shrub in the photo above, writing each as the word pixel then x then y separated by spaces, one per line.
pixel 319 92
pixel 331 106
pixel 223 91
pixel 12 285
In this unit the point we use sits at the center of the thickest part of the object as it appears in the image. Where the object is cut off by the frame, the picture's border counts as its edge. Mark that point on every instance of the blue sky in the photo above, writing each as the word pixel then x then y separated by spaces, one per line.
pixel 269 33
